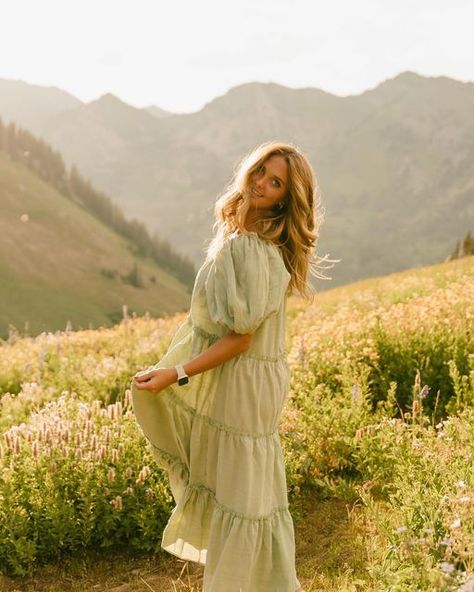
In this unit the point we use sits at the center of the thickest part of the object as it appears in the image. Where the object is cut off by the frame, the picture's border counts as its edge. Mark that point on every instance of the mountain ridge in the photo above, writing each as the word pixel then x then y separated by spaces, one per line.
pixel 392 165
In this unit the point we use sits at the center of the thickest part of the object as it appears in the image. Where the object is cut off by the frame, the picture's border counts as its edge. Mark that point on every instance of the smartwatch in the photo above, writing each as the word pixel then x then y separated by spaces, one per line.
pixel 183 378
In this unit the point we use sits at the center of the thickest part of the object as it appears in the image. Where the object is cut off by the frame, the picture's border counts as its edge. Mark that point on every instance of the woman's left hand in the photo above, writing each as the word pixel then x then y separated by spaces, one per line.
pixel 155 380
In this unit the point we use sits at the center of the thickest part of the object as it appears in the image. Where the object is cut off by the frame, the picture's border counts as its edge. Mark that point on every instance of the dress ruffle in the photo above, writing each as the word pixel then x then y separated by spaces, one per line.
pixel 247 522
pixel 203 530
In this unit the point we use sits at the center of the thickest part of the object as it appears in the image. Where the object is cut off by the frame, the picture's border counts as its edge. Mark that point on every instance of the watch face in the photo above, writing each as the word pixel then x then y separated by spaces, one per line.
pixel 183 380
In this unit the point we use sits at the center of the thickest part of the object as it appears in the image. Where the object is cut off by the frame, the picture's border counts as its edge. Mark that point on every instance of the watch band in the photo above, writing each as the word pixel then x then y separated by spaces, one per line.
pixel 183 378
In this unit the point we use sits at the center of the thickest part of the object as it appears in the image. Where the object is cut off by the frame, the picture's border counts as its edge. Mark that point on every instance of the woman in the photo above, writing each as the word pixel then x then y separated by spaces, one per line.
pixel 224 379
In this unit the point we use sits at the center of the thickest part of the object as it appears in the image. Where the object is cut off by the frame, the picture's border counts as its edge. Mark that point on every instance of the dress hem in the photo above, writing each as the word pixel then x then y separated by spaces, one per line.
pixel 169 463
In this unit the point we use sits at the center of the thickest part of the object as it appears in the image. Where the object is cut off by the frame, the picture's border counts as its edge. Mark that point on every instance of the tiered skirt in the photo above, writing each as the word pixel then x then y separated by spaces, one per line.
pixel 217 438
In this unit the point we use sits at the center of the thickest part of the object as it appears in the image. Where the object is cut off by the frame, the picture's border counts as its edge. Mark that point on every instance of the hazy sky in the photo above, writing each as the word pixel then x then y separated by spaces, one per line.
pixel 180 55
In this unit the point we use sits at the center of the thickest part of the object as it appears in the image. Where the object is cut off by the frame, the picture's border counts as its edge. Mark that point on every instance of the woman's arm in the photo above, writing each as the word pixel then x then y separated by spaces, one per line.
pixel 227 347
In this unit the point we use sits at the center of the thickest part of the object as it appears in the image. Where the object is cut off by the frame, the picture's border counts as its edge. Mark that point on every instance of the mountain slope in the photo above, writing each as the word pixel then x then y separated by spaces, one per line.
pixel 393 165
pixel 58 263
pixel 32 104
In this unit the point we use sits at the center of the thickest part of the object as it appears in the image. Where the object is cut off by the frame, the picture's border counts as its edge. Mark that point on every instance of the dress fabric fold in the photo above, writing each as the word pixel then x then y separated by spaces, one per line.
pixel 217 436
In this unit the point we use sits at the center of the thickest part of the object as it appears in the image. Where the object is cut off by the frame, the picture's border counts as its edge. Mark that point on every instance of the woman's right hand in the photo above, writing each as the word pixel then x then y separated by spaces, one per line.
pixel 155 380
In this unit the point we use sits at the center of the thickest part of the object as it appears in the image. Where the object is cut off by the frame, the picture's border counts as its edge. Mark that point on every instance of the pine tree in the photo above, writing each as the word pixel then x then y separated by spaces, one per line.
pixel 463 248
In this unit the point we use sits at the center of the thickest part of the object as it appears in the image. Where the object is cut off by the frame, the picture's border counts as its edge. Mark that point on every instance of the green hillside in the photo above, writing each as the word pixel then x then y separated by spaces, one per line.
pixel 58 263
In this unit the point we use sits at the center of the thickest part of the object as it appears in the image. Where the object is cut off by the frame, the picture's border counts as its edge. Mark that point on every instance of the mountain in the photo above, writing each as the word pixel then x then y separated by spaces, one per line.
pixel 157 111
pixel 32 104
pixel 393 164
pixel 59 263
pixel 112 129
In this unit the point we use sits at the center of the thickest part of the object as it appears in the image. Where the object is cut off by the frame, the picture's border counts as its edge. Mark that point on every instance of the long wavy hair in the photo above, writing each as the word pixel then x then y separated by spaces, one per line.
pixel 294 228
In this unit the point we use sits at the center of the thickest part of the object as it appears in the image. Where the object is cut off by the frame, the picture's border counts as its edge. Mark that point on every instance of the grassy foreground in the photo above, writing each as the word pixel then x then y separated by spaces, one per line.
pixel 378 434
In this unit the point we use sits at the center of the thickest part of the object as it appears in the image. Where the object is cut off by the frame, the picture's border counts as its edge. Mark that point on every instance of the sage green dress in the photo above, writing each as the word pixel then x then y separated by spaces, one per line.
pixel 217 436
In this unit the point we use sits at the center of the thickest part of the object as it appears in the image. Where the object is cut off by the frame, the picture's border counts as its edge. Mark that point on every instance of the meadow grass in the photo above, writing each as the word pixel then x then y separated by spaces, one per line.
pixel 377 432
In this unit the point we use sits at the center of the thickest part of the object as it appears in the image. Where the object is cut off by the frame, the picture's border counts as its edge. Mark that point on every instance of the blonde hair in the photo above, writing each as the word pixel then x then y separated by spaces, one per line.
pixel 294 228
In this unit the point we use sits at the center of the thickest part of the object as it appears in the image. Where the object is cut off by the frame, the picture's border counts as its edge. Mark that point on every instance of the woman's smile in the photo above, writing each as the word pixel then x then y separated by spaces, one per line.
pixel 269 182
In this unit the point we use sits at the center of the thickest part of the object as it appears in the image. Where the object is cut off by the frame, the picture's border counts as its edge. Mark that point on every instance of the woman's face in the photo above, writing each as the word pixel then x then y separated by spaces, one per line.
pixel 269 183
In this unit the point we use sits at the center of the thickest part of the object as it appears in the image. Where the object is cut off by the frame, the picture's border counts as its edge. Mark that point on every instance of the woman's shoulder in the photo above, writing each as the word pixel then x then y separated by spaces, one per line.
pixel 252 245
pixel 252 238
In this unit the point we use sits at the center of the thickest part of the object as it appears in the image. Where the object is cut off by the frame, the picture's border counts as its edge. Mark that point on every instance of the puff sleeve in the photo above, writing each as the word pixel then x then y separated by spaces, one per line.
pixel 245 284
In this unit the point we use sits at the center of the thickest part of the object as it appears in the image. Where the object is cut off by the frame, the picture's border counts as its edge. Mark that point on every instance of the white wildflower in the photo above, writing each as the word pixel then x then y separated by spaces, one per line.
pixel 447 567
pixel 468 585
pixel 456 523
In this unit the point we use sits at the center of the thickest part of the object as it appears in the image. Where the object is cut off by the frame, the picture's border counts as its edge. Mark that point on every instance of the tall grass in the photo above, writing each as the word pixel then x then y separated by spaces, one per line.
pixel 380 413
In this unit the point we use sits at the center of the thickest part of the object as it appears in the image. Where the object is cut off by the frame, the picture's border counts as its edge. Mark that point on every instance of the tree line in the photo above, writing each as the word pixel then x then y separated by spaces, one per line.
pixel 463 248
pixel 48 164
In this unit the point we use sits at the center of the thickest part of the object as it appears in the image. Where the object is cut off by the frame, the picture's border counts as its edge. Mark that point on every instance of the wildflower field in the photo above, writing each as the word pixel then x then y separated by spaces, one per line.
pixel 379 418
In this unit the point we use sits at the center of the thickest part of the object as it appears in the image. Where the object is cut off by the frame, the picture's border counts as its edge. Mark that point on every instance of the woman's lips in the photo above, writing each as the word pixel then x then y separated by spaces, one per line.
pixel 256 194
